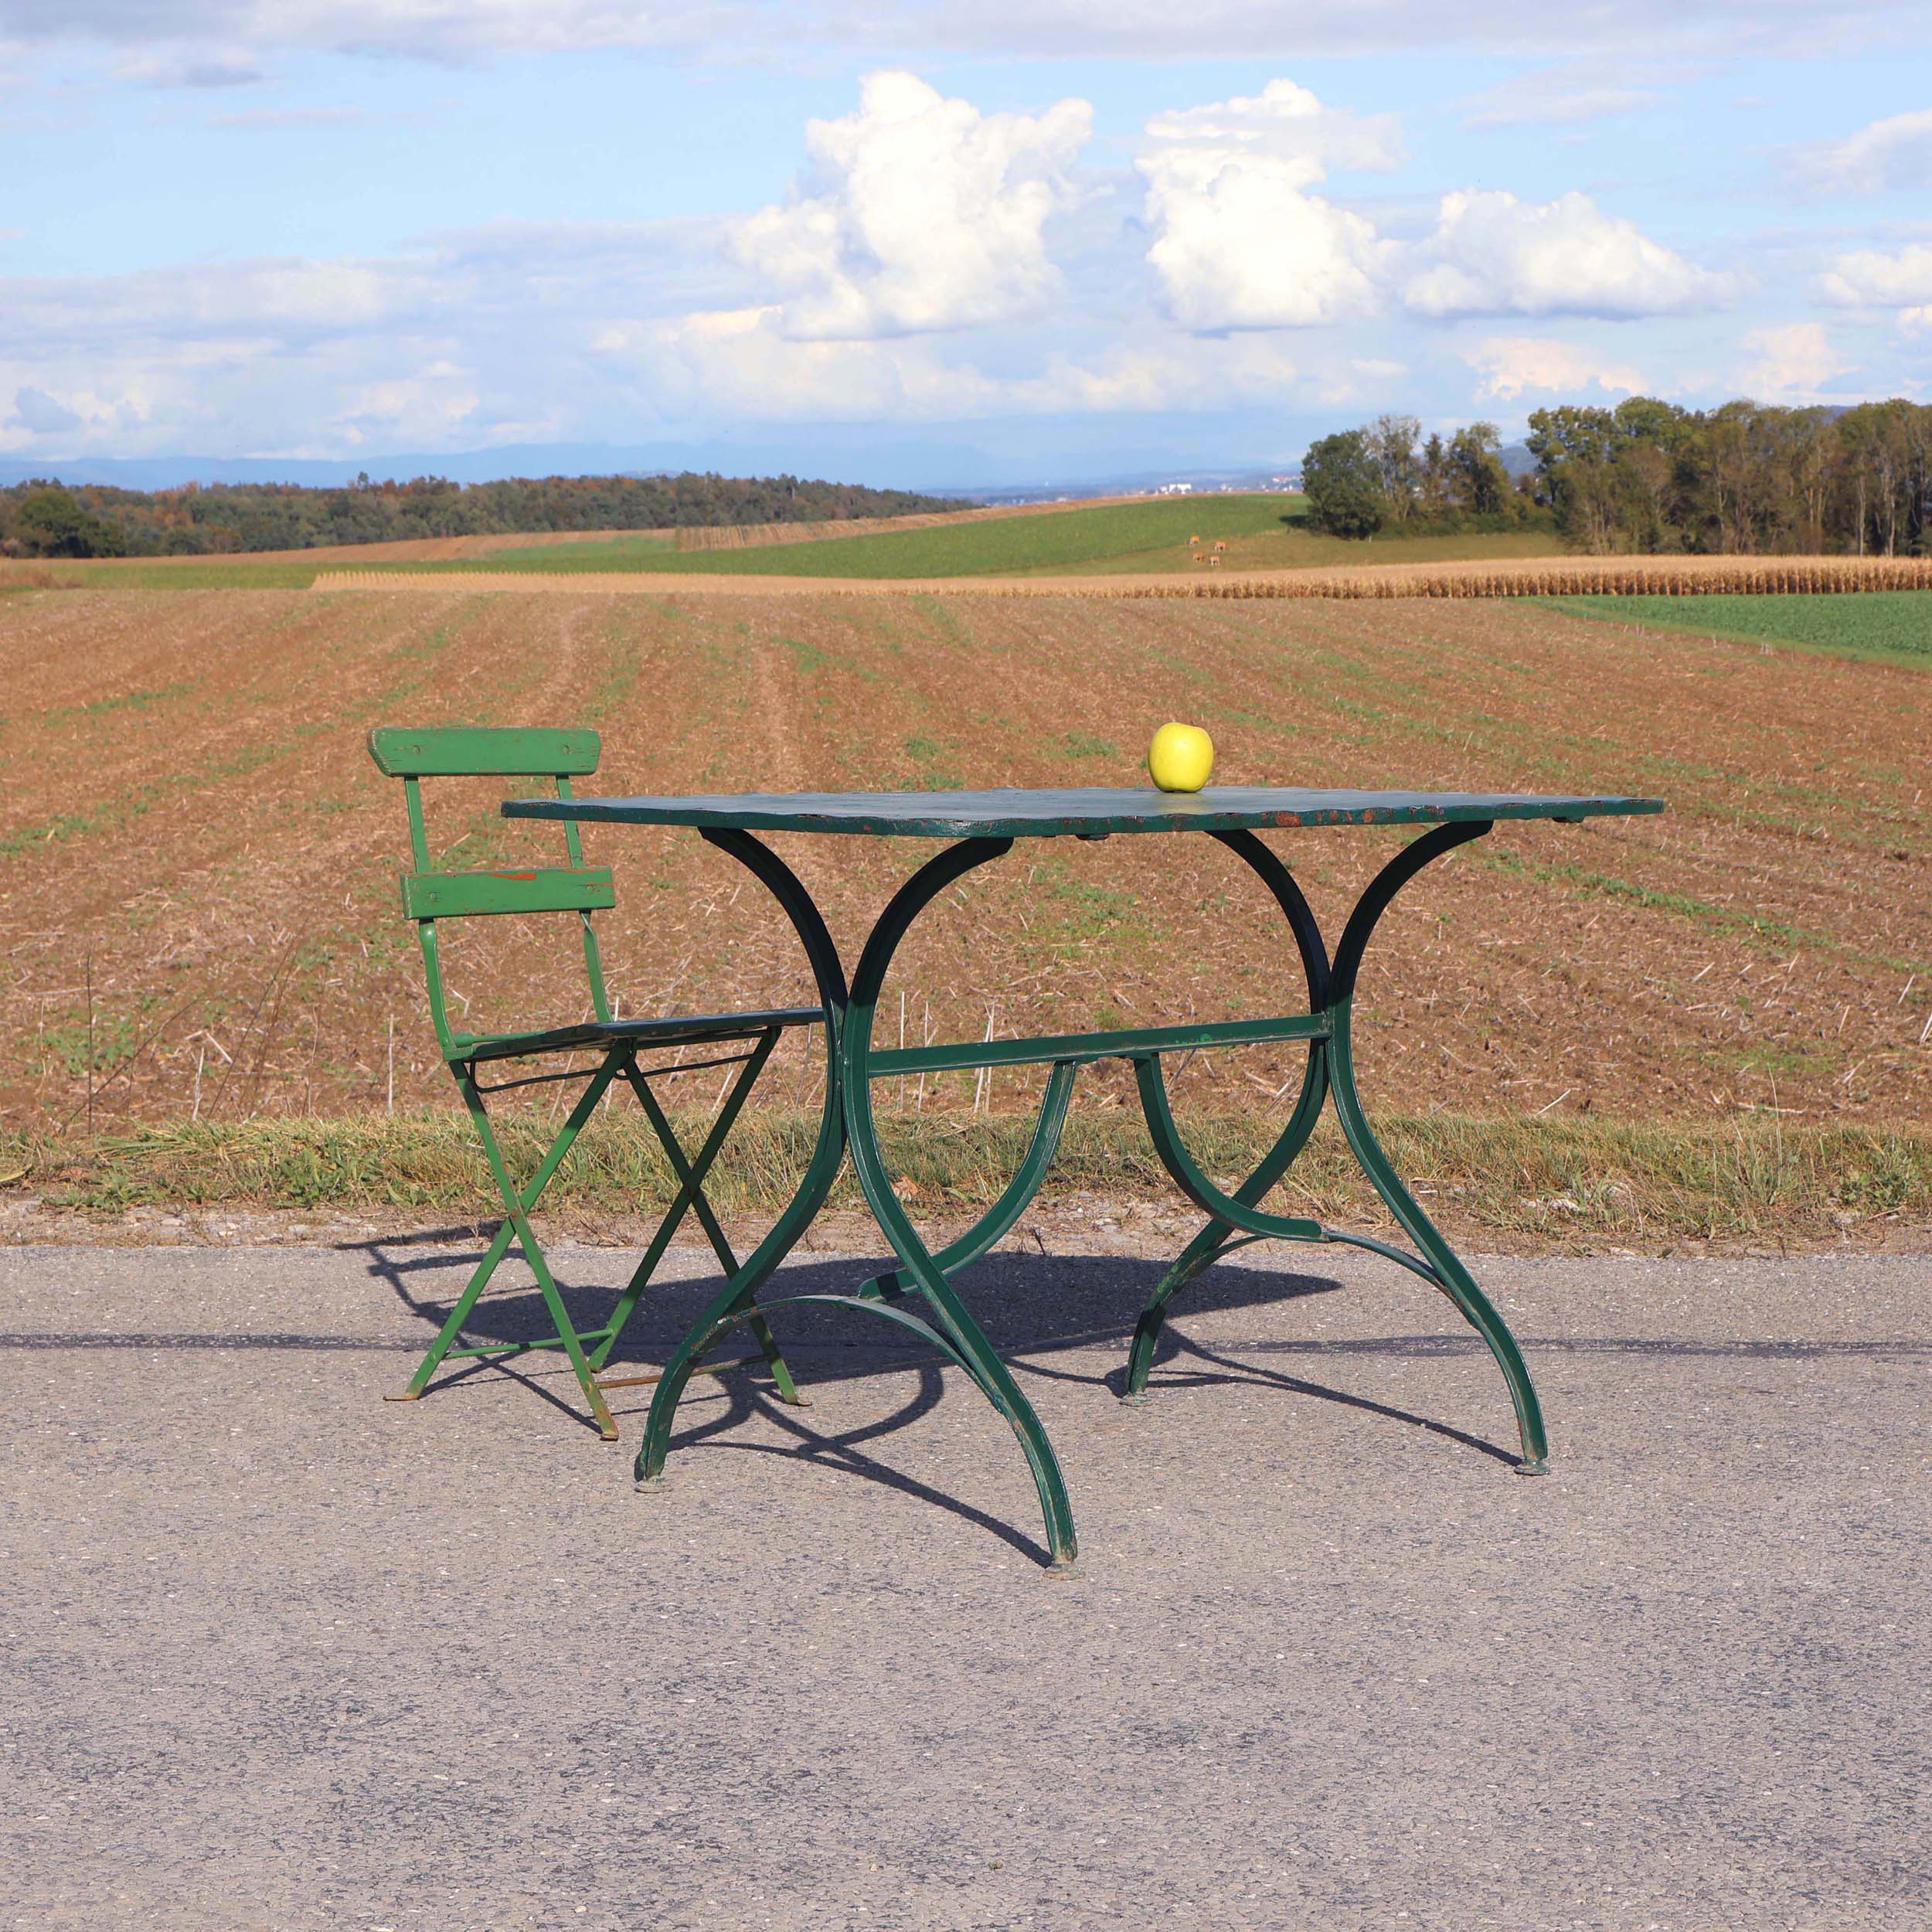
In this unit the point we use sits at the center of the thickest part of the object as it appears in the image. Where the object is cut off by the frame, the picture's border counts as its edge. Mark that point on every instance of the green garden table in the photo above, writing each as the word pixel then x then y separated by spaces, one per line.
pixel 983 826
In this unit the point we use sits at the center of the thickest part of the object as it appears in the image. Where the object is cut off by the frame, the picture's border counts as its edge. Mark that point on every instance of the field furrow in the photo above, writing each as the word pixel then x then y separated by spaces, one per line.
pixel 202 915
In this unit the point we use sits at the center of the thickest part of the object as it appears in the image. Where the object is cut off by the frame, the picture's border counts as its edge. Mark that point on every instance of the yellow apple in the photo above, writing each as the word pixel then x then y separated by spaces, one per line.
pixel 1181 757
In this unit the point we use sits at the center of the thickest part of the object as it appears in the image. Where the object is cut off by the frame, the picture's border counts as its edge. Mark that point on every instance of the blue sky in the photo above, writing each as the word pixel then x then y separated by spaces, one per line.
pixel 906 243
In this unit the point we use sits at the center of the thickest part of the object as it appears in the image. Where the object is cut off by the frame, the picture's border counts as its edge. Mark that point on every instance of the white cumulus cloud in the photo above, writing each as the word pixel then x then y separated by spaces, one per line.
pixel 1895 152
pixel 41 414
pixel 1287 122
pixel 924 214
pixel 1514 366
pixel 1491 254
pixel 1870 278
pixel 1239 242
pixel 1792 363
pixel 742 363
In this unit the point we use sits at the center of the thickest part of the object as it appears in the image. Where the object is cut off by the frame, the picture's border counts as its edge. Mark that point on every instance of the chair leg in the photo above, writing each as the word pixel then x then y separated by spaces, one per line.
pixel 453 1328
pixel 691 1173
pixel 513 1201
pixel 499 1246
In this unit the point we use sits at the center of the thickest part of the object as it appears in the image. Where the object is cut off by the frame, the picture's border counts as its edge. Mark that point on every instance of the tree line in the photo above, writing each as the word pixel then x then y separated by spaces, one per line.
pixel 1745 478
pixel 1387 476
pixel 46 518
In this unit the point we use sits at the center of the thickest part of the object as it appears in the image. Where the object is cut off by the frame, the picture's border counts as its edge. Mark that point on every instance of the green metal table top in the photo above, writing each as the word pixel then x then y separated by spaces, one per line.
pixel 1087 812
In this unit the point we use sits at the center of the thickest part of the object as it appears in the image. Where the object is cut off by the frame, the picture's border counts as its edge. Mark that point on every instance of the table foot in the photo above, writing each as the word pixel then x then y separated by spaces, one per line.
pixel 1540 1468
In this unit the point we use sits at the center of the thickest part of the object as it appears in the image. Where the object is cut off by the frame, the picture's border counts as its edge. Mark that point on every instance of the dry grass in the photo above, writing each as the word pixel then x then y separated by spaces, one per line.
pixel 1548 1183
pixel 1507 577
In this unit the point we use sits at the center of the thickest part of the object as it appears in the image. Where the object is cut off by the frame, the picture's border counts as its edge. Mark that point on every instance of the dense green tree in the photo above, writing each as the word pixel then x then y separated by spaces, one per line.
pixel 1435 476
pixel 1343 482
pixel 1478 480
pixel 1392 442
pixel 48 522
pixel 1643 480
pixel 1575 450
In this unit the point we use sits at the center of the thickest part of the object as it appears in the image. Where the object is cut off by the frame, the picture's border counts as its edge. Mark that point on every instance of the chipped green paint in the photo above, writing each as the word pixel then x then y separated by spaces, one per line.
pixel 1087 812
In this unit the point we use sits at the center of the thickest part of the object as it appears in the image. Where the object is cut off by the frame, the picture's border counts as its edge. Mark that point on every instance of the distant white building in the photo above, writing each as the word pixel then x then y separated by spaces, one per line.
pixel 1173 489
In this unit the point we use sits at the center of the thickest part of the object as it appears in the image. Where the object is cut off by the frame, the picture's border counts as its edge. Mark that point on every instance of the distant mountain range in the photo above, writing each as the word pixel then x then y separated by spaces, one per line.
pixel 962 472
pixel 957 473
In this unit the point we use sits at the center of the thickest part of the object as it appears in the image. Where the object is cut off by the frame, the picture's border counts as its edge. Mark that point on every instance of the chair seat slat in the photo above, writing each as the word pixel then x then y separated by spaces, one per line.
pixel 680 1030
pixel 463 895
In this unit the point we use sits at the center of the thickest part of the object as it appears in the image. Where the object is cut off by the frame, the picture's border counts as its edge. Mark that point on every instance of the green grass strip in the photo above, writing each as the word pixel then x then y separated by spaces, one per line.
pixel 226 573
pixel 1572 1181
pixel 1892 627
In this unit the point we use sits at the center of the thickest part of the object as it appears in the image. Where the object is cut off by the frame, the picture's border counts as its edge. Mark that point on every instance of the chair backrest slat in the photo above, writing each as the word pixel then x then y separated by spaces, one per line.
pixel 482 751
pixel 464 895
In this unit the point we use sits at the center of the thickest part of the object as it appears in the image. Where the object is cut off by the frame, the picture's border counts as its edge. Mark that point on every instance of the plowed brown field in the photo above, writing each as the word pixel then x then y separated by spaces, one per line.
pixel 200 895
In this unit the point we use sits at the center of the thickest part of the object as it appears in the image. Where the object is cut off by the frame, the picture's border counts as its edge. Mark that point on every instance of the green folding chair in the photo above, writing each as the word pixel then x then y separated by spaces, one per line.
pixel 428 897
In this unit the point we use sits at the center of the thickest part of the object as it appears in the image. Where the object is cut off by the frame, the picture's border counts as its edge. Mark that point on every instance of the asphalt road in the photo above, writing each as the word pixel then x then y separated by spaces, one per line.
pixel 274 1654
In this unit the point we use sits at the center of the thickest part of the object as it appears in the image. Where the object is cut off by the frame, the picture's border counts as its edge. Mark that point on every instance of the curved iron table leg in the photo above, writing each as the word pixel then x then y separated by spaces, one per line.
pixel 734 1299
pixel 1454 1279
pixel 950 1312
pixel 1217 1237
pixel 1331 1072
pixel 1011 1204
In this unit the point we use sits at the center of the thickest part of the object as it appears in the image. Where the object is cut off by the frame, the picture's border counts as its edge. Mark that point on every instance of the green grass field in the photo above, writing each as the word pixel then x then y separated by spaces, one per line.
pixel 129 573
pixel 1895 626
pixel 1069 540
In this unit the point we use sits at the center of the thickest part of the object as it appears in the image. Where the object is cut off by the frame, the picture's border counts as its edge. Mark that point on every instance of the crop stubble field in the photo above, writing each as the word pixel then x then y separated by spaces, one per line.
pixel 200 879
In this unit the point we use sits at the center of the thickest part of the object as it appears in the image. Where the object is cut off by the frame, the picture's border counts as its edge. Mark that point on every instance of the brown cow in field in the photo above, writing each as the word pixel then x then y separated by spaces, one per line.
pixel 1220 544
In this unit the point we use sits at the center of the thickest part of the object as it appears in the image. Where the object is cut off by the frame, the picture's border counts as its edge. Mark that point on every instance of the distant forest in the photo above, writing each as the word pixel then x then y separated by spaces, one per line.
pixel 1743 479
pixel 43 520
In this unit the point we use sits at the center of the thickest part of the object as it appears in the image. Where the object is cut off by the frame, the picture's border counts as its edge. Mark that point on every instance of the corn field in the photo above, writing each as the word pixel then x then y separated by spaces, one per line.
pixel 1516 577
